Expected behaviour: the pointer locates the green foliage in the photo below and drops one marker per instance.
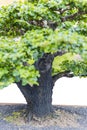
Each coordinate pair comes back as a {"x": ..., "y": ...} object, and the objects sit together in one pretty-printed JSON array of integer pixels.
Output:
[
  {"x": 58, "y": 64},
  {"x": 19, "y": 17},
  {"x": 12, "y": 57},
  {"x": 31, "y": 28}
]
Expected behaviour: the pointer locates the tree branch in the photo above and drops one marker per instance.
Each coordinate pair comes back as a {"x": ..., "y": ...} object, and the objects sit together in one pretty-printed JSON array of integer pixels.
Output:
[
  {"x": 61, "y": 11},
  {"x": 44, "y": 23},
  {"x": 59, "y": 53},
  {"x": 72, "y": 16},
  {"x": 62, "y": 74}
]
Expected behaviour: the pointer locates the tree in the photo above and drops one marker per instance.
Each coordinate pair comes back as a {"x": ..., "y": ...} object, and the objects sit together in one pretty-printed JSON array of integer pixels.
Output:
[{"x": 40, "y": 42}]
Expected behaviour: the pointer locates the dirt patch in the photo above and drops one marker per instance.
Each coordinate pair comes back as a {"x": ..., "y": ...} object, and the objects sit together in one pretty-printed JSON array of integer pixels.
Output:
[
  {"x": 64, "y": 117},
  {"x": 59, "y": 117}
]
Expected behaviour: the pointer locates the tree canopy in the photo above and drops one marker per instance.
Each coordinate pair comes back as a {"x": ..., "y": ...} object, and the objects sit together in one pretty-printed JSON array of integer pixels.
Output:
[{"x": 33, "y": 28}]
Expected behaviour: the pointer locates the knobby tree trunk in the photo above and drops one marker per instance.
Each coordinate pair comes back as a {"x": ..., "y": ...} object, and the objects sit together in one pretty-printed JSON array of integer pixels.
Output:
[{"x": 39, "y": 98}]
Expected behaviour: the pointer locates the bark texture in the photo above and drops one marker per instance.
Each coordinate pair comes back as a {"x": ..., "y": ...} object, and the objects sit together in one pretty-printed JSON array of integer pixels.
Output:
[{"x": 39, "y": 98}]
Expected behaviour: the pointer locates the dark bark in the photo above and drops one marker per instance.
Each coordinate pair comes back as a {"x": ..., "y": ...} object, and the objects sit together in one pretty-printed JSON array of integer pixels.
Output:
[
  {"x": 27, "y": 93},
  {"x": 44, "y": 23},
  {"x": 39, "y": 98},
  {"x": 59, "y": 53},
  {"x": 62, "y": 74},
  {"x": 73, "y": 16}
]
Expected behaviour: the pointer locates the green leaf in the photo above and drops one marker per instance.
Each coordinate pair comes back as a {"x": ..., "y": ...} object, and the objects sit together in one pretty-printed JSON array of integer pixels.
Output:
[{"x": 30, "y": 29}]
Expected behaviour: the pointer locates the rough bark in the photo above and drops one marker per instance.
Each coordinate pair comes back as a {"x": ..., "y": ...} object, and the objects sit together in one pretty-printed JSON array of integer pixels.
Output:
[
  {"x": 62, "y": 74},
  {"x": 39, "y": 98}
]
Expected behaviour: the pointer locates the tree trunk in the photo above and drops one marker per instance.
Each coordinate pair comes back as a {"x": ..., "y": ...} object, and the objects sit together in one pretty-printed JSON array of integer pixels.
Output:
[
  {"x": 39, "y": 98},
  {"x": 43, "y": 96}
]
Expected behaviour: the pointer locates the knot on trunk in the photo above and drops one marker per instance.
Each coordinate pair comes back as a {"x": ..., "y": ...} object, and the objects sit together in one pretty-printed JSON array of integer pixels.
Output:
[{"x": 44, "y": 64}]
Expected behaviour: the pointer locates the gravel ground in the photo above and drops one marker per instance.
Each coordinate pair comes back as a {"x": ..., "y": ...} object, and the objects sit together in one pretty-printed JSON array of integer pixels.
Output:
[{"x": 65, "y": 118}]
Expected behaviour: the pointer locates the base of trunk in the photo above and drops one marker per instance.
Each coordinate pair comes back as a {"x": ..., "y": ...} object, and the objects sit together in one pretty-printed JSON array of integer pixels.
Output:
[
  {"x": 37, "y": 114},
  {"x": 39, "y": 100}
]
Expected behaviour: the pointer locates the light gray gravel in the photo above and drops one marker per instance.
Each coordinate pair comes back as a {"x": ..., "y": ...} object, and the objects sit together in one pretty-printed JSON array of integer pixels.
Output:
[{"x": 8, "y": 109}]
